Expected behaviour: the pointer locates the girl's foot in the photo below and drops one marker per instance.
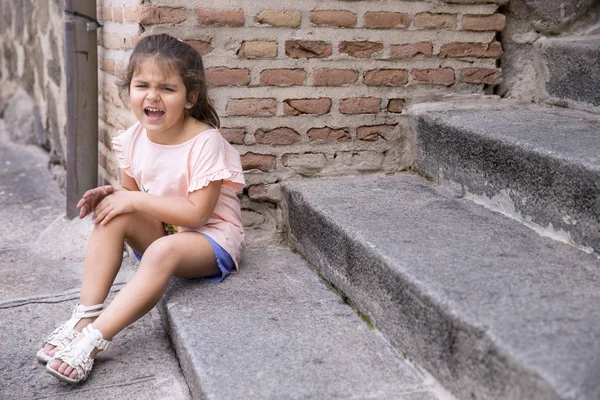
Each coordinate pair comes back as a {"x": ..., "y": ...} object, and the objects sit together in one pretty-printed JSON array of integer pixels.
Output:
[
  {"x": 73, "y": 363},
  {"x": 50, "y": 350},
  {"x": 82, "y": 316},
  {"x": 66, "y": 369}
]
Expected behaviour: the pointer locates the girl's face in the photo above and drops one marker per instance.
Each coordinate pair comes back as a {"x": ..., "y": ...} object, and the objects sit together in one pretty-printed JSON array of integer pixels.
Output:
[{"x": 158, "y": 97}]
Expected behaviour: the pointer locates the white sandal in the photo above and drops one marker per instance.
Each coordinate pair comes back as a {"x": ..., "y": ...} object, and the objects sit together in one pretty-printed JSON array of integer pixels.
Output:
[
  {"x": 65, "y": 333},
  {"x": 78, "y": 355}
]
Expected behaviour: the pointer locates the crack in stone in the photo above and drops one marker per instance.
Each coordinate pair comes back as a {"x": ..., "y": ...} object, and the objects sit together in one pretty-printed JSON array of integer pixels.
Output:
[
  {"x": 136, "y": 381},
  {"x": 49, "y": 299}
]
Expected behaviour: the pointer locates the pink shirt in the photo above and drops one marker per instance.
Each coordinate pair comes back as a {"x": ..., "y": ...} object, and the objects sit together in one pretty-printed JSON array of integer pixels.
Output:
[{"x": 176, "y": 170}]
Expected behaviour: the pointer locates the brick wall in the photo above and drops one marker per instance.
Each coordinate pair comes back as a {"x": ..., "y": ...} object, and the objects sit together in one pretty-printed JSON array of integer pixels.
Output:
[{"x": 314, "y": 89}]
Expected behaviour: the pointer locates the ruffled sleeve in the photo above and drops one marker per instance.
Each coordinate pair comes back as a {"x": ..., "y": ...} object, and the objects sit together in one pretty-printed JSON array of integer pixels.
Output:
[
  {"x": 212, "y": 160},
  {"x": 120, "y": 145}
]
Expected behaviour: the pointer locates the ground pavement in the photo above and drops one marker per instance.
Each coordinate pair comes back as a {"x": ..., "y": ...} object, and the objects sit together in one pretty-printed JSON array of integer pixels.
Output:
[{"x": 41, "y": 256}]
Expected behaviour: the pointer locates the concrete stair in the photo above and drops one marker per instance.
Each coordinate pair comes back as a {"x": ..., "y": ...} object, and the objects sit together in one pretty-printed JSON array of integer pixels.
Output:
[
  {"x": 540, "y": 165},
  {"x": 490, "y": 308},
  {"x": 571, "y": 64},
  {"x": 275, "y": 331}
]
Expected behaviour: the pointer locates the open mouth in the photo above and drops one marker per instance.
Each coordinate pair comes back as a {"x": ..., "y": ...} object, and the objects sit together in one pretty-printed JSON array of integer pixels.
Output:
[{"x": 153, "y": 113}]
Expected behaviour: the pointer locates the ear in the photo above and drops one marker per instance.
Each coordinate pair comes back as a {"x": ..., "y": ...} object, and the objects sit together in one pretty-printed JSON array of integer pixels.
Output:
[{"x": 191, "y": 100}]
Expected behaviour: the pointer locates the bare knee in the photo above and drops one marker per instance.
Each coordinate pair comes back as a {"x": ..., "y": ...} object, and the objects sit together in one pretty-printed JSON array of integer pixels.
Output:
[{"x": 161, "y": 256}]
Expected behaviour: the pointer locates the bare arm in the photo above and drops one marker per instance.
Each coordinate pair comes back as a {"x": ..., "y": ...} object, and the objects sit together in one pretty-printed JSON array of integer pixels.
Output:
[{"x": 195, "y": 210}]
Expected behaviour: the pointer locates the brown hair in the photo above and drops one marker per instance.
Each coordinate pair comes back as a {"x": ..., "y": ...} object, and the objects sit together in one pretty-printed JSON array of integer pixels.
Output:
[{"x": 185, "y": 60}]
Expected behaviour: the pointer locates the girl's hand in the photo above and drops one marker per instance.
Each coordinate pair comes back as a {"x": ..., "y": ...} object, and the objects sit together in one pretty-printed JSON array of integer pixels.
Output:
[
  {"x": 119, "y": 202},
  {"x": 92, "y": 198}
]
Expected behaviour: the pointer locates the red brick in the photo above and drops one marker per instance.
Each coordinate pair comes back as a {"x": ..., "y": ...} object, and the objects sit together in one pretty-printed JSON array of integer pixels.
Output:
[
  {"x": 108, "y": 65},
  {"x": 155, "y": 15},
  {"x": 437, "y": 76},
  {"x": 256, "y": 49},
  {"x": 327, "y": 134},
  {"x": 251, "y": 107},
  {"x": 200, "y": 46},
  {"x": 374, "y": 132},
  {"x": 495, "y": 22},
  {"x": 222, "y": 76},
  {"x": 282, "y": 77},
  {"x": 220, "y": 17},
  {"x": 233, "y": 135},
  {"x": 338, "y": 18},
  {"x": 262, "y": 192},
  {"x": 395, "y": 105},
  {"x": 277, "y": 136},
  {"x": 307, "y": 49},
  {"x": 360, "y": 105},
  {"x": 306, "y": 106},
  {"x": 106, "y": 14},
  {"x": 285, "y": 18},
  {"x": 411, "y": 50},
  {"x": 477, "y": 50},
  {"x": 435, "y": 21},
  {"x": 263, "y": 162},
  {"x": 360, "y": 49},
  {"x": 385, "y": 20},
  {"x": 480, "y": 75},
  {"x": 118, "y": 14},
  {"x": 334, "y": 77},
  {"x": 386, "y": 77}
]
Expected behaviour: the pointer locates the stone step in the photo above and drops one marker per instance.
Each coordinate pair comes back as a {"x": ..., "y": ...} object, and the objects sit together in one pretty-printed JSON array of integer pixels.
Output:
[
  {"x": 540, "y": 165},
  {"x": 486, "y": 305},
  {"x": 275, "y": 331},
  {"x": 571, "y": 65}
]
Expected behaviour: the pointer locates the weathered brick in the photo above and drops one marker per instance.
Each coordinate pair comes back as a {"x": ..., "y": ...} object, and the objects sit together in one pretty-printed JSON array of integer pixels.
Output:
[
  {"x": 280, "y": 135},
  {"x": 305, "y": 164},
  {"x": 436, "y": 76},
  {"x": 360, "y": 105},
  {"x": 374, "y": 132},
  {"x": 155, "y": 15},
  {"x": 386, "y": 77},
  {"x": 495, "y": 22},
  {"x": 108, "y": 65},
  {"x": 360, "y": 49},
  {"x": 477, "y": 50},
  {"x": 256, "y": 49},
  {"x": 282, "y": 77},
  {"x": 327, "y": 134},
  {"x": 395, "y": 105},
  {"x": 286, "y": 18},
  {"x": 480, "y": 75},
  {"x": 307, "y": 49},
  {"x": 385, "y": 20},
  {"x": 435, "y": 21},
  {"x": 251, "y": 107},
  {"x": 265, "y": 192},
  {"x": 319, "y": 106},
  {"x": 233, "y": 135},
  {"x": 411, "y": 50},
  {"x": 338, "y": 18},
  {"x": 117, "y": 14},
  {"x": 201, "y": 46},
  {"x": 220, "y": 17},
  {"x": 334, "y": 77},
  {"x": 263, "y": 162},
  {"x": 222, "y": 76},
  {"x": 106, "y": 14}
]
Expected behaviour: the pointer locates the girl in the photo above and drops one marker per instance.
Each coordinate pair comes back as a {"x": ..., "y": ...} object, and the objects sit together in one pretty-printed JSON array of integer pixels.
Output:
[{"x": 177, "y": 205}]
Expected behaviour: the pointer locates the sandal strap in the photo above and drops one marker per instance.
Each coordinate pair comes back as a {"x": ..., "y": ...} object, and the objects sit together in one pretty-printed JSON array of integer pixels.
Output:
[
  {"x": 78, "y": 355},
  {"x": 66, "y": 332}
]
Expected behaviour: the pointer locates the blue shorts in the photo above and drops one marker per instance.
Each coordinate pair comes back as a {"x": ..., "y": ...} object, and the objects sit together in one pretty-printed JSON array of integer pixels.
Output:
[{"x": 224, "y": 260}]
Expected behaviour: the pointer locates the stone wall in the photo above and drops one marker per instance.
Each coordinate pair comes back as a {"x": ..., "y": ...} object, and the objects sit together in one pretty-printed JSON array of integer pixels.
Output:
[
  {"x": 315, "y": 88},
  {"x": 537, "y": 33},
  {"x": 32, "y": 77}
]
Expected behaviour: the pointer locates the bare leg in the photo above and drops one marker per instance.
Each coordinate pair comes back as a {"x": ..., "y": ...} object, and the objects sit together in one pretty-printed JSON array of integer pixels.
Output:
[
  {"x": 186, "y": 254},
  {"x": 104, "y": 255}
]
